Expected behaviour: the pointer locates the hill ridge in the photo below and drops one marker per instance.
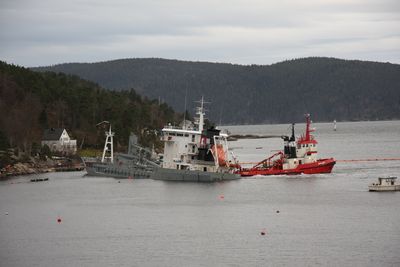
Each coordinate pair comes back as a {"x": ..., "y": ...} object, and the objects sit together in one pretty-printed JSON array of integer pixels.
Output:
[
  {"x": 329, "y": 88},
  {"x": 31, "y": 102}
]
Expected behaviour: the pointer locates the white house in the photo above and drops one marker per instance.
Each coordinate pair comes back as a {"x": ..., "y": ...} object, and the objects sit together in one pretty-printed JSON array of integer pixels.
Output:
[{"x": 58, "y": 140}]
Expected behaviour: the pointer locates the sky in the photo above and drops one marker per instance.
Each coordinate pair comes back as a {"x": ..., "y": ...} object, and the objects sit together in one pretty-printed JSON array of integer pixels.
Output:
[{"x": 48, "y": 32}]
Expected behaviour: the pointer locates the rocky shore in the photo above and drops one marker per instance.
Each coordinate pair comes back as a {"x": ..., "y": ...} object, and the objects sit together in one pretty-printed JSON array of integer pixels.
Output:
[{"x": 35, "y": 167}]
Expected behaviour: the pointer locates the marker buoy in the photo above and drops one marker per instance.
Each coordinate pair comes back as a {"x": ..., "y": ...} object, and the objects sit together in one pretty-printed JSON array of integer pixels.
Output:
[
  {"x": 6, "y": 213},
  {"x": 263, "y": 232},
  {"x": 277, "y": 211},
  {"x": 59, "y": 220},
  {"x": 119, "y": 181},
  {"x": 221, "y": 197}
]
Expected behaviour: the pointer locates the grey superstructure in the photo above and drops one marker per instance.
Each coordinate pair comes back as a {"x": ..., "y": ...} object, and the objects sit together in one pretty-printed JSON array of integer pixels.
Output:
[{"x": 137, "y": 164}]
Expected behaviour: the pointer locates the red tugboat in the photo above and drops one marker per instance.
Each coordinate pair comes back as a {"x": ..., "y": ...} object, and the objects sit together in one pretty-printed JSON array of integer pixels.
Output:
[{"x": 297, "y": 157}]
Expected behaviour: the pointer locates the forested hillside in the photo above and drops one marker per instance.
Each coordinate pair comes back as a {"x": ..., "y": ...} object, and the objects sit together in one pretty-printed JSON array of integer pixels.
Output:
[
  {"x": 31, "y": 102},
  {"x": 326, "y": 87}
]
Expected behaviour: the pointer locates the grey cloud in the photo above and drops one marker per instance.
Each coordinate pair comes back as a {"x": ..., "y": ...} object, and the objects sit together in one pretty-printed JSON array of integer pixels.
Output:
[{"x": 255, "y": 31}]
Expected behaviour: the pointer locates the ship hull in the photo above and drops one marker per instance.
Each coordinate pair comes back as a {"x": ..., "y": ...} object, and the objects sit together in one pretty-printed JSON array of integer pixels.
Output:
[
  {"x": 383, "y": 188},
  {"x": 320, "y": 166},
  {"x": 115, "y": 171},
  {"x": 191, "y": 176}
]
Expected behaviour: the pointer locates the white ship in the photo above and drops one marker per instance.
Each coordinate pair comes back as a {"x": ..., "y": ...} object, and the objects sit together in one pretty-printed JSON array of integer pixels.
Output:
[
  {"x": 385, "y": 184},
  {"x": 192, "y": 153}
]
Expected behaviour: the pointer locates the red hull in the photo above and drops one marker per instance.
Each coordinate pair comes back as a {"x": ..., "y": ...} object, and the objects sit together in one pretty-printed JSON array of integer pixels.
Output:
[{"x": 321, "y": 166}]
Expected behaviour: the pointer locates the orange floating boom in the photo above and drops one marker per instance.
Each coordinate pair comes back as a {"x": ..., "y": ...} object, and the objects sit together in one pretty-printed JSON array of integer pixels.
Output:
[{"x": 360, "y": 160}]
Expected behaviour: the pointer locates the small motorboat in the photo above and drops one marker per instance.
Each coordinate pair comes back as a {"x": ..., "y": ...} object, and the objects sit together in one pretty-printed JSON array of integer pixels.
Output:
[
  {"x": 385, "y": 184},
  {"x": 39, "y": 179}
]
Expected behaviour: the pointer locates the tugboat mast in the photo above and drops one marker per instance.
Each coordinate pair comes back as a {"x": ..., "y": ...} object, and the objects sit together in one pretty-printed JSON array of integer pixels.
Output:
[{"x": 308, "y": 130}]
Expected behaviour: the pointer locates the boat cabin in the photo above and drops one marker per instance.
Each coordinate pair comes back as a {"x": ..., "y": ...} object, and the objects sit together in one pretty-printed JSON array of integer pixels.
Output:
[
  {"x": 385, "y": 181},
  {"x": 302, "y": 151}
]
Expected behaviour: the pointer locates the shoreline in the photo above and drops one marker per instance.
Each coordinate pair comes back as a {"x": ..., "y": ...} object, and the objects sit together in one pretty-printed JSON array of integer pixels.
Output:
[{"x": 19, "y": 169}]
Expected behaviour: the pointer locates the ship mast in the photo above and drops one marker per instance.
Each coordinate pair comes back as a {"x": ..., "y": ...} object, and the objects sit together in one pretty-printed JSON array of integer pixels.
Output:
[
  {"x": 108, "y": 145},
  {"x": 200, "y": 112},
  {"x": 308, "y": 136}
]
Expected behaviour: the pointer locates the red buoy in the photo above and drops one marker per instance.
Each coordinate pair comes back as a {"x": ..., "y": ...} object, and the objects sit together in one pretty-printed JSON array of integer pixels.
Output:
[
  {"x": 263, "y": 232},
  {"x": 59, "y": 220},
  {"x": 221, "y": 197}
]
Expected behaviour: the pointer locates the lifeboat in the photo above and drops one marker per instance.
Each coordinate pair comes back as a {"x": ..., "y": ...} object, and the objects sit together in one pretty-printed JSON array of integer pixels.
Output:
[
  {"x": 297, "y": 157},
  {"x": 219, "y": 153}
]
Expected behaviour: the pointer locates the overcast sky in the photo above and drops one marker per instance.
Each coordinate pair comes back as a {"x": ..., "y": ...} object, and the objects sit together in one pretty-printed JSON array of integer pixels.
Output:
[{"x": 44, "y": 32}]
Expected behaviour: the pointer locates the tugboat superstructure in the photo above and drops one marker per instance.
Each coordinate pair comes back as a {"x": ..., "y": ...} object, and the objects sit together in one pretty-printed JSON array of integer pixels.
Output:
[{"x": 297, "y": 157}]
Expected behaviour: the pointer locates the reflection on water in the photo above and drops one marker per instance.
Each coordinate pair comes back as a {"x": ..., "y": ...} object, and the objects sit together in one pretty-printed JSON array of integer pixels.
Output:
[{"x": 328, "y": 219}]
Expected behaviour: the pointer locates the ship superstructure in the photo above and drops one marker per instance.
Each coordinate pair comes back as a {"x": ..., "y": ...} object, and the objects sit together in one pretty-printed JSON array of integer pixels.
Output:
[
  {"x": 136, "y": 164},
  {"x": 192, "y": 153}
]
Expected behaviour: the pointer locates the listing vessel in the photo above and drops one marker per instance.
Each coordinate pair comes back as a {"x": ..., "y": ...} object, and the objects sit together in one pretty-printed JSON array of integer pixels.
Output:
[
  {"x": 385, "y": 184},
  {"x": 297, "y": 157},
  {"x": 136, "y": 164},
  {"x": 195, "y": 154}
]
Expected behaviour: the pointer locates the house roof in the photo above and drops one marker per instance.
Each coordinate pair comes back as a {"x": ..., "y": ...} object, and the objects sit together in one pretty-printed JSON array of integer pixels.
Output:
[{"x": 52, "y": 134}]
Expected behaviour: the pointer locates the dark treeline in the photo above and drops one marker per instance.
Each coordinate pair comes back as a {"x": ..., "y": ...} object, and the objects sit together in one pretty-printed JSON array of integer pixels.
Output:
[
  {"x": 327, "y": 88},
  {"x": 31, "y": 102}
]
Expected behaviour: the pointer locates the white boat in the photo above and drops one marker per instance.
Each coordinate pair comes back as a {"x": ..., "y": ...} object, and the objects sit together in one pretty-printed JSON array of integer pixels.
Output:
[
  {"x": 195, "y": 154},
  {"x": 385, "y": 184}
]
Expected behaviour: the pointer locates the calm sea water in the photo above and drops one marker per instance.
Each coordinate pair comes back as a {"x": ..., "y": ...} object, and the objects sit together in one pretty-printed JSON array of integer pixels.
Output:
[{"x": 323, "y": 220}]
